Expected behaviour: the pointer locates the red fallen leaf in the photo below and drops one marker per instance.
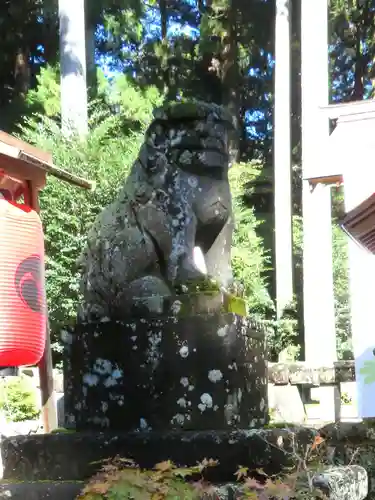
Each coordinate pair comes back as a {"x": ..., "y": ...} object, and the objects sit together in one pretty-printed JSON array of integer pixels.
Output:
[{"x": 318, "y": 440}]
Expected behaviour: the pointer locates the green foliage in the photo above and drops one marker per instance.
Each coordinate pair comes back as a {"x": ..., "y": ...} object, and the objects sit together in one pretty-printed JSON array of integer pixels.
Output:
[
  {"x": 249, "y": 259},
  {"x": 341, "y": 291},
  {"x": 18, "y": 399},
  {"x": 67, "y": 213},
  {"x": 46, "y": 96}
]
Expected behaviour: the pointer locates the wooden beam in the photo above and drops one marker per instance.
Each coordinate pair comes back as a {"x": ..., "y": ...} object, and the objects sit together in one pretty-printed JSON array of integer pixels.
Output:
[
  {"x": 49, "y": 412},
  {"x": 56, "y": 172},
  {"x": 21, "y": 171},
  {"x": 33, "y": 163},
  {"x": 24, "y": 146},
  {"x": 329, "y": 180},
  {"x": 334, "y": 111}
]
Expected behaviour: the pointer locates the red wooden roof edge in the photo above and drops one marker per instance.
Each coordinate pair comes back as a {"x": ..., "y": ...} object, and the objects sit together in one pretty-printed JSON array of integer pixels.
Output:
[
  {"x": 19, "y": 150},
  {"x": 359, "y": 223}
]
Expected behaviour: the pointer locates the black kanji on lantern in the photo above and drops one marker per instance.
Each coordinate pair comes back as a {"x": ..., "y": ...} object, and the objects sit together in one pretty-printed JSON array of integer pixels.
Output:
[{"x": 28, "y": 282}]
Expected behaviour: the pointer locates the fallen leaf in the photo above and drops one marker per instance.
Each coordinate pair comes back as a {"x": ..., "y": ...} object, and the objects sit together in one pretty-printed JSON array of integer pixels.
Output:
[
  {"x": 165, "y": 466},
  {"x": 241, "y": 472},
  {"x": 318, "y": 440}
]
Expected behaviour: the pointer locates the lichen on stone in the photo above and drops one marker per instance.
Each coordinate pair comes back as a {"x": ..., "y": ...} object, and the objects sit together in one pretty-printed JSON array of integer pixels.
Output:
[{"x": 140, "y": 250}]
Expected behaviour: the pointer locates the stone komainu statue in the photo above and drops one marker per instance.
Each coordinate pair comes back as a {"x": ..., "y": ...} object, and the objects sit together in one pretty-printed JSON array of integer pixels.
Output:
[{"x": 175, "y": 198}]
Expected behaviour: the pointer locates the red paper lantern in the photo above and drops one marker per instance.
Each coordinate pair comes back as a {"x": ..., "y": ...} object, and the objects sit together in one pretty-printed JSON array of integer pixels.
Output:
[{"x": 22, "y": 288}]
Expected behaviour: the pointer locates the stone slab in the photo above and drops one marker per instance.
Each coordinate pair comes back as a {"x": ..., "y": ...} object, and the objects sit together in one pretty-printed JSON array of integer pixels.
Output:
[
  {"x": 39, "y": 491},
  {"x": 302, "y": 373},
  {"x": 285, "y": 404},
  {"x": 343, "y": 483},
  {"x": 75, "y": 455},
  {"x": 201, "y": 372}
]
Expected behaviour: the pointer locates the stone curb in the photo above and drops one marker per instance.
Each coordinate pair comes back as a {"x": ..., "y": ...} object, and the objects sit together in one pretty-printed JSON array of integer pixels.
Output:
[{"x": 39, "y": 491}]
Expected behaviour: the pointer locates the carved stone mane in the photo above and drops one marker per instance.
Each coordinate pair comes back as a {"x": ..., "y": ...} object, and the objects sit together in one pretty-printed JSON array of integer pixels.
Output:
[{"x": 175, "y": 198}]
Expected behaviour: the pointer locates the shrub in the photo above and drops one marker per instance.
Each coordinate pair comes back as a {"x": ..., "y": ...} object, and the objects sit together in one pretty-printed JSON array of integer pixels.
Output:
[{"x": 18, "y": 399}]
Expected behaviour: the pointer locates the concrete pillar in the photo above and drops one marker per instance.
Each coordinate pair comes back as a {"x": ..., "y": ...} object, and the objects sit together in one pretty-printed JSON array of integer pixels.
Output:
[{"x": 319, "y": 319}]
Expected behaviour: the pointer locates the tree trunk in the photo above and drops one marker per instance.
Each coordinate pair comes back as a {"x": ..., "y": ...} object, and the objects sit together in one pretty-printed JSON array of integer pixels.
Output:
[
  {"x": 229, "y": 72},
  {"x": 73, "y": 66},
  {"x": 282, "y": 159},
  {"x": 22, "y": 72},
  {"x": 91, "y": 79}
]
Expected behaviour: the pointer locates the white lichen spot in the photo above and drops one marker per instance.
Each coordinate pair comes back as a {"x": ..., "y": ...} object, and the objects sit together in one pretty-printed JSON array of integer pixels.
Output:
[
  {"x": 280, "y": 442},
  {"x": 90, "y": 379},
  {"x": 191, "y": 388},
  {"x": 117, "y": 373},
  {"x": 216, "y": 407},
  {"x": 143, "y": 424},
  {"x": 201, "y": 407},
  {"x": 103, "y": 366},
  {"x": 192, "y": 181},
  {"x": 222, "y": 331},
  {"x": 182, "y": 402},
  {"x": 110, "y": 382},
  {"x": 153, "y": 352},
  {"x": 206, "y": 399},
  {"x": 176, "y": 307},
  {"x": 262, "y": 404},
  {"x": 134, "y": 338},
  {"x": 104, "y": 406},
  {"x": 215, "y": 376},
  {"x": 184, "y": 381},
  {"x": 184, "y": 351},
  {"x": 105, "y": 320},
  {"x": 178, "y": 419}
]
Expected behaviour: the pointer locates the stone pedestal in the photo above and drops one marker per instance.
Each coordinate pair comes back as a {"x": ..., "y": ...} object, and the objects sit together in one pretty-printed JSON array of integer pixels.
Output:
[{"x": 206, "y": 371}]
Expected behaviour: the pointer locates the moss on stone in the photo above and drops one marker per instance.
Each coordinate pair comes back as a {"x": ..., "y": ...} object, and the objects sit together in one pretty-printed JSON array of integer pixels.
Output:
[
  {"x": 62, "y": 430},
  {"x": 235, "y": 305}
]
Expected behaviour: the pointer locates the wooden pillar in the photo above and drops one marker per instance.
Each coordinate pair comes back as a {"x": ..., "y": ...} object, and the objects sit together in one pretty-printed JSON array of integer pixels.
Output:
[
  {"x": 282, "y": 159},
  {"x": 49, "y": 411}
]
